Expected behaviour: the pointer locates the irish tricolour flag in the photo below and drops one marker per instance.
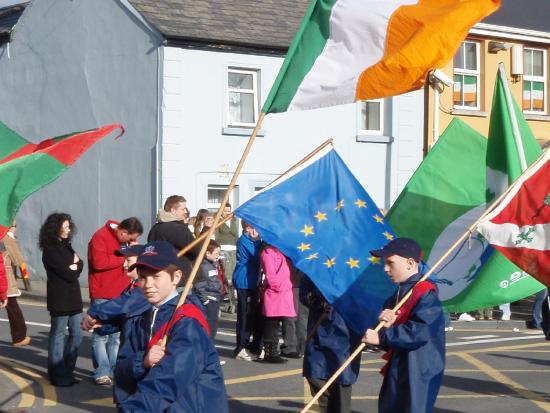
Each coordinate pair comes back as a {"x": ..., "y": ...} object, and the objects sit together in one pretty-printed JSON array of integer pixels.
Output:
[
  {"x": 520, "y": 226},
  {"x": 348, "y": 50}
]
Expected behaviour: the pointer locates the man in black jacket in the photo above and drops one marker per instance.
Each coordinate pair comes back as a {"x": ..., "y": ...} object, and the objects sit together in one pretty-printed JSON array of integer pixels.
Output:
[{"x": 170, "y": 227}]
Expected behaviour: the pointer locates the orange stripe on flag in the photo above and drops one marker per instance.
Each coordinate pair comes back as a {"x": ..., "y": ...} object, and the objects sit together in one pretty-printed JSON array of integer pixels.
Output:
[{"x": 420, "y": 38}]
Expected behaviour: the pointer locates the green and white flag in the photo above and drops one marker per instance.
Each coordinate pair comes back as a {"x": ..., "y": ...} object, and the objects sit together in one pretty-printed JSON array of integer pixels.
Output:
[{"x": 448, "y": 192}]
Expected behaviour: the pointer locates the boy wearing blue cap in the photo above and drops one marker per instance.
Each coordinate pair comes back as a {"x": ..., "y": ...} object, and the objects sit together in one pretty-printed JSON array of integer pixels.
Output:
[
  {"x": 414, "y": 336},
  {"x": 183, "y": 376}
]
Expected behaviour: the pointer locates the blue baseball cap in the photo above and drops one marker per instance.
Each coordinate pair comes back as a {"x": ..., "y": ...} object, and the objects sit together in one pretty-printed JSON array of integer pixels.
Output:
[
  {"x": 404, "y": 247},
  {"x": 130, "y": 250},
  {"x": 156, "y": 255}
]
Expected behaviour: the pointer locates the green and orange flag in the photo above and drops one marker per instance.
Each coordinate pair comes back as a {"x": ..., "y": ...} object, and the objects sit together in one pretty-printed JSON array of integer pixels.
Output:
[{"x": 26, "y": 167}]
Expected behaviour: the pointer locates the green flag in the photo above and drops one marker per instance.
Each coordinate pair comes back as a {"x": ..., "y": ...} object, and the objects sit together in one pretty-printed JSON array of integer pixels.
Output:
[
  {"x": 448, "y": 192},
  {"x": 27, "y": 167}
]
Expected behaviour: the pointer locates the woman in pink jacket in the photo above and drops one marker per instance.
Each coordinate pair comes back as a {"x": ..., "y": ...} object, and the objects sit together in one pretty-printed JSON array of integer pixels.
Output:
[{"x": 278, "y": 302}]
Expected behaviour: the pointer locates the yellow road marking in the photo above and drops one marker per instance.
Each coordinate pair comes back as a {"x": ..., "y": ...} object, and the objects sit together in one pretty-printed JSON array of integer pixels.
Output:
[
  {"x": 476, "y": 370},
  {"x": 499, "y": 349},
  {"x": 50, "y": 396},
  {"x": 446, "y": 396},
  {"x": 511, "y": 384},
  {"x": 27, "y": 393},
  {"x": 105, "y": 402},
  {"x": 267, "y": 376}
]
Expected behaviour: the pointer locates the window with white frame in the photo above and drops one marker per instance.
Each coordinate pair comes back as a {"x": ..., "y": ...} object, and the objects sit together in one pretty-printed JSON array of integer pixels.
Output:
[
  {"x": 215, "y": 194},
  {"x": 466, "y": 76},
  {"x": 534, "y": 81},
  {"x": 242, "y": 97},
  {"x": 371, "y": 118}
]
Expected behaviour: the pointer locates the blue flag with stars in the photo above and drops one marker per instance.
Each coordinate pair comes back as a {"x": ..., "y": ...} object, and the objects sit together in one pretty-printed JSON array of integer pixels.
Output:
[{"x": 321, "y": 218}]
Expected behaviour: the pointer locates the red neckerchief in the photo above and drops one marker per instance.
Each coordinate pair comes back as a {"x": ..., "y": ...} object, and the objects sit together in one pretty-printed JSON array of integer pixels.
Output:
[
  {"x": 186, "y": 310},
  {"x": 418, "y": 291}
]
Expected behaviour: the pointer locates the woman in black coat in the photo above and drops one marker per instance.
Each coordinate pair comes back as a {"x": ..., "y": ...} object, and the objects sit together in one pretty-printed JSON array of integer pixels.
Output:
[{"x": 63, "y": 267}]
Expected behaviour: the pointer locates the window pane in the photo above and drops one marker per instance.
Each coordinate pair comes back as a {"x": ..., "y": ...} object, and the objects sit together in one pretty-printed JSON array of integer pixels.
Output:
[
  {"x": 470, "y": 91},
  {"x": 215, "y": 195},
  {"x": 537, "y": 63},
  {"x": 459, "y": 57},
  {"x": 457, "y": 90},
  {"x": 527, "y": 62},
  {"x": 240, "y": 80},
  {"x": 526, "y": 96},
  {"x": 370, "y": 114},
  {"x": 471, "y": 56},
  {"x": 538, "y": 96},
  {"x": 241, "y": 107}
]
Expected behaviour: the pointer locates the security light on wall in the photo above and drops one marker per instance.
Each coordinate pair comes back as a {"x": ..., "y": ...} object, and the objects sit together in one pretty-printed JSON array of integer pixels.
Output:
[
  {"x": 495, "y": 47},
  {"x": 517, "y": 60}
]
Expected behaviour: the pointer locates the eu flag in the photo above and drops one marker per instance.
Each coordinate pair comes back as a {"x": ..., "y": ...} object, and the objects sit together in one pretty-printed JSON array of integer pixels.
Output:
[{"x": 321, "y": 218}]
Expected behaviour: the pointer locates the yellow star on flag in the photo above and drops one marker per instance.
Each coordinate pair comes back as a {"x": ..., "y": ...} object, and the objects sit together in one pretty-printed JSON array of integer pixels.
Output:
[
  {"x": 308, "y": 230},
  {"x": 302, "y": 247},
  {"x": 352, "y": 263},
  {"x": 360, "y": 203},
  {"x": 387, "y": 235},
  {"x": 339, "y": 205},
  {"x": 378, "y": 218},
  {"x": 321, "y": 216},
  {"x": 375, "y": 260},
  {"x": 313, "y": 256},
  {"x": 330, "y": 262}
]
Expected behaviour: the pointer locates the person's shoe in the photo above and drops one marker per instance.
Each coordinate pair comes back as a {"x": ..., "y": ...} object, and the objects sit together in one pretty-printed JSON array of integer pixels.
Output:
[
  {"x": 103, "y": 381},
  {"x": 222, "y": 362},
  {"x": 505, "y": 317},
  {"x": 243, "y": 355},
  {"x": 489, "y": 318},
  {"x": 466, "y": 317},
  {"x": 291, "y": 355},
  {"x": 275, "y": 359},
  {"x": 450, "y": 328},
  {"x": 25, "y": 342}
]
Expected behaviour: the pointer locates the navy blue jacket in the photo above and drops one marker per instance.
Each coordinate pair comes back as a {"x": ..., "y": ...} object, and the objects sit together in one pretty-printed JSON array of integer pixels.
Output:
[
  {"x": 416, "y": 368},
  {"x": 332, "y": 343},
  {"x": 113, "y": 313},
  {"x": 187, "y": 379},
  {"x": 247, "y": 268},
  {"x": 208, "y": 285}
]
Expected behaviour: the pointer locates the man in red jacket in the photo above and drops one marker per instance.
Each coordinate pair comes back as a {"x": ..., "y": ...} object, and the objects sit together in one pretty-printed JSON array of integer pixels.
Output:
[{"x": 107, "y": 279}]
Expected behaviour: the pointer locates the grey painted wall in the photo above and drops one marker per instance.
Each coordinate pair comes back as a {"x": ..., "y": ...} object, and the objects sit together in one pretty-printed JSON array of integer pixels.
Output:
[{"x": 75, "y": 65}]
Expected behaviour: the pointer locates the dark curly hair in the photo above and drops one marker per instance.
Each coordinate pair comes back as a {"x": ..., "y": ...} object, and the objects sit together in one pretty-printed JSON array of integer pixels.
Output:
[{"x": 49, "y": 232}]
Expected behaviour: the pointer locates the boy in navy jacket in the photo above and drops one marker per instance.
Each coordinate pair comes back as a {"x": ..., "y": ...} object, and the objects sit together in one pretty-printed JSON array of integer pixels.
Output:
[
  {"x": 183, "y": 376},
  {"x": 414, "y": 337}
]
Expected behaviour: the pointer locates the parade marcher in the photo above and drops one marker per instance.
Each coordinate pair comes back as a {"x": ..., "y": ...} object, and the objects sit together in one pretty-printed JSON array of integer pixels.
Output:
[
  {"x": 107, "y": 279},
  {"x": 414, "y": 338},
  {"x": 277, "y": 300},
  {"x": 208, "y": 287},
  {"x": 184, "y": 376},
  {"x": 545, "y": 324},
  {"x": 330, "y": 346},
  {"x": 64, "y": 300},
  {"x": 9, "y": 250},
  {"x": 245, "y": 282},
  {"x": 170, "y": 227}
]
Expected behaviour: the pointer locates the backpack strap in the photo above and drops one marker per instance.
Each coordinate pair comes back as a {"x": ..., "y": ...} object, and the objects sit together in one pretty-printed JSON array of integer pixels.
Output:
[
  {"x": 186, "y": 310},
  {"x": 418, "y": 291}
]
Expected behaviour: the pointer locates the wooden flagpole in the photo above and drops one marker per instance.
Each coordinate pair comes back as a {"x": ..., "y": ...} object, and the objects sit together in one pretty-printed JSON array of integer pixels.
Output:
[
  {"x": 211, "y": 230},
  {"x": 467, "y": 233}
]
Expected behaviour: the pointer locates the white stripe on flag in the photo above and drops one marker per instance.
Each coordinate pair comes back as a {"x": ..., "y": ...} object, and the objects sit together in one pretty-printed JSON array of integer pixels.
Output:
[
  {"x": 357, "y": 41},
  {"x": 508, "y": 235}
]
